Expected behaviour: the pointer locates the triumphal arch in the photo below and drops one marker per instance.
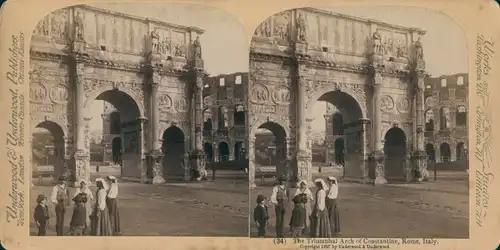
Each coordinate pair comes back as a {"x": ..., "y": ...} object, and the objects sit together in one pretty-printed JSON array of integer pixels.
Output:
[
  {"x": 150, "y": 71},
  {"x": 373, "y": 72}
]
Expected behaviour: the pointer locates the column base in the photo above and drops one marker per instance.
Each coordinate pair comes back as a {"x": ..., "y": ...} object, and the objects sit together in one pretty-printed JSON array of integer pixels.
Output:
[
  {"x": 253, "y": 185},
  {"x": 197, "y": 161},
  {"x": 156, "y": 162},
  {"x": 304, "y": 165},
  {"x": 419, "y": 166},
  {"x": 82, "y": 168},
  {"x": 378, "y": 158}
]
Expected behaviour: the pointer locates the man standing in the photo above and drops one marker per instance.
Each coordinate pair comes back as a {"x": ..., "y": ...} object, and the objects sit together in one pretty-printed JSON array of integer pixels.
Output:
[
  {"x": 280, "y": 198},
  {"x": 60, "y": 197}
]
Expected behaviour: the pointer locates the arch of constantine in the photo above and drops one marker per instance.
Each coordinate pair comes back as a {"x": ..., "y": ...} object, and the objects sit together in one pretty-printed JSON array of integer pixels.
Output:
[
  {"x": 372, "y": 72},
  {"x": 150, "y": 71}
]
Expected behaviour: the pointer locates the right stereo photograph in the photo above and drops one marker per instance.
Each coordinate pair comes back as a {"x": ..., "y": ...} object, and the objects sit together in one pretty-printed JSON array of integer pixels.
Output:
[{"x": 357, "y": 119}]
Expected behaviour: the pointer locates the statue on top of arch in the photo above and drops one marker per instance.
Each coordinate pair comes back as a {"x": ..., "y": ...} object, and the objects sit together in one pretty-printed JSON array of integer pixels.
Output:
[
  {"x": 155, "y": 37},
  {"x": 197, "y": 48},
  {"x": 301, "y": 27},
  {"x": 79, "y": 26}
]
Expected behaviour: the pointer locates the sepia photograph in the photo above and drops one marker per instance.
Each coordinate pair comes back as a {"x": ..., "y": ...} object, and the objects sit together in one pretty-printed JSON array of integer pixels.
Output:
[
  {"x": 358, "y": 125},
  {"x": 138, "y": 122}
]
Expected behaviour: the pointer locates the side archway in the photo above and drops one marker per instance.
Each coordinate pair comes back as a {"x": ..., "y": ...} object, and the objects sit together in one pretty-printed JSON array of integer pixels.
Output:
[
  {"x": 395, "y": 153},
  {"x": 269, "y": 149},
  {"x": 173, "y": 145},
  {"x": 48, "y": 146}
]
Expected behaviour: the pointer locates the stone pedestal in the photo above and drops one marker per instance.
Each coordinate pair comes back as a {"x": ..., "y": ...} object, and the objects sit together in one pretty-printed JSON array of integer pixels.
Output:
[
  {"x": 419, "y": 162},
  {"x": 156, "y": 163},
  {"x": 304, "y": 164},
  {"x": 378, "y": 158},
  {"x": 82, "y": 167},
  {"x": 197, "y": 160}
]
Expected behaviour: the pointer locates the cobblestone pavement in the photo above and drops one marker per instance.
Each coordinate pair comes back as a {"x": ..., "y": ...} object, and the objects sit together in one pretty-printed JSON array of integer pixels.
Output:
[
  {"x": 208, "y": 208},
  {"x": 431, "y": 209}
]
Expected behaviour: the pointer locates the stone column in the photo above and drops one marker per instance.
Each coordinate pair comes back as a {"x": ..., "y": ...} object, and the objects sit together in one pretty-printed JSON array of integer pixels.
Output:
[
  {"x": 155, "y": 155},
  {"x": 198, "y": 160},
  {"x": 251, "y": 162},
  {"x": 378, "y": 152},
  {"x": 82, "y": 152},
  {"x": 303, "y": 156},
  {"x": 419, "y": 155}
]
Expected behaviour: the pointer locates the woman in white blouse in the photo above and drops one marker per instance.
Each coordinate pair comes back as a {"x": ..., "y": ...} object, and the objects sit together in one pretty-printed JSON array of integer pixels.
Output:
[
  {"x": 320, "y": 224},
  {"x": 101, "y": 226},
  {"x": 85, "y": 191},
  {"x": 114, "y": 214},
  {"x": 305, "y": 191},
  {"x": 332, "y": 205}
]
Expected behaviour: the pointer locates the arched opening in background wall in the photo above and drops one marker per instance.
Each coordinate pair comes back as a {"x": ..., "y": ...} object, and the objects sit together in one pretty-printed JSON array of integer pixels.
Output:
[
  {"x": 429, "y": 120},
  {"x": 339, "y": 151},
  {"x": 239, "y": 115},
  {"x": 338, "y": 124},
  {"x": 445, "y": 151},
  {"x": 461, "y": 116},
  {"x": 238, "y": 151},
  {"x": 209, "y": 152},
  {"x": 461, "y": 154},
  {"x": 223, "y": 152},
  {"x": 431, "y": 152},
  {"x": 223, "y": 118}
]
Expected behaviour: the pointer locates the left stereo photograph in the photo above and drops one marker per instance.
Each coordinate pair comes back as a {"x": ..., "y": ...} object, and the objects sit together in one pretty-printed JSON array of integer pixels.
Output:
[{"x": 138, "y": 122}]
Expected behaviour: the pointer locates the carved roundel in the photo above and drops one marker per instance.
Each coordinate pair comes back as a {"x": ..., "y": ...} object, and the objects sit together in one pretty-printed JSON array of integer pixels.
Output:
[
  {"x": 165, "y": 101},
  {"x": 404, "y": 105},
  {"x": 59, "y": 94},
  {"x": 38, "y": 93},
  {"x": 386, "y": 103},
  {"x": 282, "y": 95},
  {"x": 181, "y": 104},
  {"x": 430, "y": 101},
  {"x": 259, "y": 94}
]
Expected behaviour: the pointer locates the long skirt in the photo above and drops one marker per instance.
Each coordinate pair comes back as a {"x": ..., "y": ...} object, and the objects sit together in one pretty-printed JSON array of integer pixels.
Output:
[
  {"x": 101, "y": 226},
  {"x": 320, "y": 224},
  {"x": 333, "y": 215},
  {"x": 114, "y": 215},
  {"x": 88, "y": 213}
]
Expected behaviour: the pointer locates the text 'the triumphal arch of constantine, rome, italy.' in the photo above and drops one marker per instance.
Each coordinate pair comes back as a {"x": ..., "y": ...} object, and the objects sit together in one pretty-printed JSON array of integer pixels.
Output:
[
  {"x": 373, "y": 72},
  {"x": 150, "y": 71}
]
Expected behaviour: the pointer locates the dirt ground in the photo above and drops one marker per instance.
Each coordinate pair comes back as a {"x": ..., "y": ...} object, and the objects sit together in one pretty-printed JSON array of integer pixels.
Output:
[
  {"x": 432, "y": 209},
  {"x": 208, "y": 208}
]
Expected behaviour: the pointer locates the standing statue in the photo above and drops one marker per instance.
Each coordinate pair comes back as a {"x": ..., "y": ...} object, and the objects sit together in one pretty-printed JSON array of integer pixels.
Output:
[
  {"x": 377, "y": 42},
  {"x": 79, "y": 26},
  {"x": 267, "y": 29},
  {"x": 155, "y": 37},
  {"x": 301, "y": 28},
  {"x": 419, "y": 50},
  {"x": 197, "y": 48}
]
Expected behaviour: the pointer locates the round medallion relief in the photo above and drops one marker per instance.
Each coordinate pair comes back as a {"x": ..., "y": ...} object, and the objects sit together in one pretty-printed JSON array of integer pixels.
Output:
[
  {"x": 259, "y": 94},
  {"x": 282, "y": 95},
  {"x": 403, "y": 105},
  {"x": 165, "y": 101},
  {"x": 181, "y": 104},
  {"x": 59, "y": 94},
  {"x": 38, "y": 93},
  {"x": 386, "y": 103}
]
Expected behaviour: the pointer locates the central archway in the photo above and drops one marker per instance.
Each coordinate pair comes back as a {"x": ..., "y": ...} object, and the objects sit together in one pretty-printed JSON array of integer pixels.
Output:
[
  {"x": 270, "y": 146},
  {"x": 124, "y": 121},
  {"x": 49, "y": 147},
  {"x": 395, "y": 152},
  {"x": 348, "y": 126},
  {"x": 173, "y": 147}
]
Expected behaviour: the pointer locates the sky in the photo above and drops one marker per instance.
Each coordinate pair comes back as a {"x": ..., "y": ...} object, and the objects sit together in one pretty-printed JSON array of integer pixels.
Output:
[{"x": 225, "y": 44}]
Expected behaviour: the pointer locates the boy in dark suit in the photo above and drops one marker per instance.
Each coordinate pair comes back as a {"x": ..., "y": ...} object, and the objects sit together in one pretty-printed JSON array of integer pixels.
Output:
[
  {"x": 261, "y": 216},
  {"x": 78, "y": 220},
  {"x": 41, "y": 215},
  {"x": 298, "y": 216}
]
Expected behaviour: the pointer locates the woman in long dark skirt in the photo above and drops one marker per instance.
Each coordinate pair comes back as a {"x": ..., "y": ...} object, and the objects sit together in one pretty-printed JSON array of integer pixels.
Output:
[
  {"x": 320, "y": 224},
  {"x": 114, "y": 214},
  {"x": 100, "y": 225},
  {"x": 332, "y": 205}
]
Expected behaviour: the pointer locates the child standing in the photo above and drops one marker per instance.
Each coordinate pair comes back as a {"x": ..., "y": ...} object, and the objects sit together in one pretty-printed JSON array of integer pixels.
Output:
[
  {"x": 79, "y": 220},
  {"x": 41, "y": 215},
  {"x": 298, "y": 219},
  {"x": 261, "y": 216}
]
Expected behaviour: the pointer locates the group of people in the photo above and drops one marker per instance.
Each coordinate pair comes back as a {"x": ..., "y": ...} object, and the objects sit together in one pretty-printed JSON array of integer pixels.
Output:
[
  {"x": 314, "y": 214},
  {"x": 97, "y": 217}
]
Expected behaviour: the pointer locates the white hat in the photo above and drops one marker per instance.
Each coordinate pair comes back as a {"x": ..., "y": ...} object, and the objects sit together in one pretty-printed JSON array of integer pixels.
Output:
[
  {"x": 302, "y": 181},
  {"x": 323, "y": 184},
  {"x": 331, "y": 178},
  {"x": 111, "y": 177}
]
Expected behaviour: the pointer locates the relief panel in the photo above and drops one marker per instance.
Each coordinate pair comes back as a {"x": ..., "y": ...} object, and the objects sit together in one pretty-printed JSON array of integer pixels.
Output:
[
  {"x": 178, "y": 44},
  {"x": 281, "y": 25},
  {"x": 90, "y": 27},
  {"x": 59, "y": 25},
  {"x": 312, "y": 24}
]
